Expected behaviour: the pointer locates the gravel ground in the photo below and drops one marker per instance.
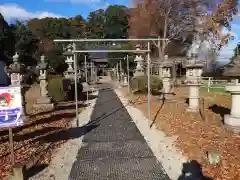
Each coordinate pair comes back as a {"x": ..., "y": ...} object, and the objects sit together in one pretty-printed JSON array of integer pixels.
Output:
[
  {"x": 63, "y": 159},
  {"x": 161, "y": 145}
]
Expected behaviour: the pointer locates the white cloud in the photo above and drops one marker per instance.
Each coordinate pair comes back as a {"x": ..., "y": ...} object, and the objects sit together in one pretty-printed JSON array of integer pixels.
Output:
[
  {"x": 75, "y": 1},
  {"x": 94, "y": 4},
  {"x": 14, "y": 11}
]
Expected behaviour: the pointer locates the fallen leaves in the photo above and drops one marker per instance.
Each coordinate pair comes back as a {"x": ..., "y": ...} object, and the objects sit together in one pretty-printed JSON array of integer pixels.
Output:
[
  {"x": 30, "y": 139},
  {"x": 197, "y": 136}
]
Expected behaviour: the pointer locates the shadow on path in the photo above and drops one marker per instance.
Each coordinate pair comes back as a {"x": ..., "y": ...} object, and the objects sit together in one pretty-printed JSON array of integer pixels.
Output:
[
  {"x": 71, "y": 133},
  {"x": 219, "y": 110},
  {"x": 35, "y": 170},
  {"x": 105, "y": 115},
  {"x": 192, "y": 171}
]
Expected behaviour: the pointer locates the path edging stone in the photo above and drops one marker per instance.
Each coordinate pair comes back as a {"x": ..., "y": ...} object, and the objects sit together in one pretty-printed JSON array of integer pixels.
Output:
[
  {"x": 161, "y": 144},
  {"x": 64, "y": 157}
]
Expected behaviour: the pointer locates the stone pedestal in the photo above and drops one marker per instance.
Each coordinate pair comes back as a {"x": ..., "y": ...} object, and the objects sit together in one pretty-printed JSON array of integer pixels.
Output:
[
  {"x": 167, "y": 82},
  {"x": 193, "y": 75},
  {"x": 125, "y": 81},
  {"x": 232, "y": 121},
  {"x": 193, "y": 104},
  {"x": 167, "y": 85}
]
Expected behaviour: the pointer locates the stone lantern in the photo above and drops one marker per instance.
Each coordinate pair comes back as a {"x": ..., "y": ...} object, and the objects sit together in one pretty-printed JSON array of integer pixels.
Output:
[
  {"x": 42, "y": 68},
  {"x": 194, "y": 70},
  {"x": 232, "y": 121},
  {"x": 16, "y": 72},
  {"x": 69, "y": 73},
  {"x": 166, "y": 74},
  {"x": 139, "y": 71},
  {"x": 193, "y": 74}
]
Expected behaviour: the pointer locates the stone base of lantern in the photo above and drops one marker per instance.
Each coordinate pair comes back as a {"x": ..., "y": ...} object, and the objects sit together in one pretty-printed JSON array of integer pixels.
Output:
[
  {"x": 136, "y": 74},
  {"x": 69, "y": 74},
  {"x": 44, "y": 100},
  {"x": 193, "y": 104},
  {"x": 232, "y": 123},
  {"x": 43, "y": 105},
  {"x": 125, "y": 81},
  {"x": 167, "y": 96},
  {"x": 167, "y": 89}
]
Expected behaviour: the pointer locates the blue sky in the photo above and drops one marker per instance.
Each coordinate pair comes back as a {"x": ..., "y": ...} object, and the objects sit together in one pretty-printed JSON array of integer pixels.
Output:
[
  {"x": 26, "y": 9},
  {"x": 227, "y": 51},
  {"x": 23, "y": 9}
]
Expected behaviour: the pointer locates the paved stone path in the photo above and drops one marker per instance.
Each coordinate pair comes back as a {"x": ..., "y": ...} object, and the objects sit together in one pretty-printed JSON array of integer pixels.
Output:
[{"x": 114, "y": 149}]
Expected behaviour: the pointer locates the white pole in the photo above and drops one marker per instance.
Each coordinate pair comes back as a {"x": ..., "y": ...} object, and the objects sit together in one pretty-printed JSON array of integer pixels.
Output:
[
  {"x": 128, "y": 74},
  {"x": 76, "y": 88},
  {"x": 149, "y": 87},
  {"x": 117, "y": 73},
  {"x": 209, "y": 83},
  {"x": 91, "y": 71},
  {"x": 86, "y": 76},
  {"x": 120, "y": 70}
]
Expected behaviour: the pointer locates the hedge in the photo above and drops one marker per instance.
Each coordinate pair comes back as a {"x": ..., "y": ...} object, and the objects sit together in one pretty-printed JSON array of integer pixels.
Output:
[{"x": 139, "y": 84}]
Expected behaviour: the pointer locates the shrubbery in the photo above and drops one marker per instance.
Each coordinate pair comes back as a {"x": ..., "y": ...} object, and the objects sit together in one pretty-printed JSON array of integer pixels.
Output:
[
  {"x": 139, "y": 84},
  {"x": 62, "y": 89}
]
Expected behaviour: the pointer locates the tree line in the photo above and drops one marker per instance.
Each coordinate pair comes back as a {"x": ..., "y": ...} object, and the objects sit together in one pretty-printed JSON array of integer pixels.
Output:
[
  {"x": 172, "y": 19},
  {"x": 34, "y": 37}
]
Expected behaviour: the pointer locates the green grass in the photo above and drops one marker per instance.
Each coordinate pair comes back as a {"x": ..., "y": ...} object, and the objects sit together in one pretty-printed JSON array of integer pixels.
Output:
[{"x": 214, "y": 89}]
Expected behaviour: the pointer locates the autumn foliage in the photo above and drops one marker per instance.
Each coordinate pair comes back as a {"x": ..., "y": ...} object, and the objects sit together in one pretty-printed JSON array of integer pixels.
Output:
[{"x": 174, "y": 19}]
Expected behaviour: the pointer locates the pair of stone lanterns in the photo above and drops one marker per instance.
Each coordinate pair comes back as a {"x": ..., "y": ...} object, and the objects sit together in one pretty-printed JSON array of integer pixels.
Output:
[
  {"x": 17, "y": 71},
  {"x": 232, "y": 120},
  {"x": 193, "y": 77}
]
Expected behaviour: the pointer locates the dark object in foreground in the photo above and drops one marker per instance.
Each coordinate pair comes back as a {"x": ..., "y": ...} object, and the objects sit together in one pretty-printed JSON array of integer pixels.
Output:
[{"x": 192, "y": 171}]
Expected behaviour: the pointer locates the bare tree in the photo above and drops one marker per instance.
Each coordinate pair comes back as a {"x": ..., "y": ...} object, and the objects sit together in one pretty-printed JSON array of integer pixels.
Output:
[
  {"x": 167, "y": 19},
  {"x": 175, "y": 19}
]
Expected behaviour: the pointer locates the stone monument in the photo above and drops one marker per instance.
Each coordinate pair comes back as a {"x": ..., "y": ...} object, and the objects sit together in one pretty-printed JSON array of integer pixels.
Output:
[
  {"x": 42, "y": 68},
  {"x": 139, "y": 71},
  {"x": 232, "y": 121}
]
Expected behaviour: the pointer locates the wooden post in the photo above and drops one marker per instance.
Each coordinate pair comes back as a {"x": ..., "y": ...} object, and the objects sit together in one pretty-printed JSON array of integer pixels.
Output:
[
  {"x": 203, "y": 110},
  {"x": 18, "y": 172},
  {"x": 175, "y": 111},
  {"x": 11, "y": 147}
]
